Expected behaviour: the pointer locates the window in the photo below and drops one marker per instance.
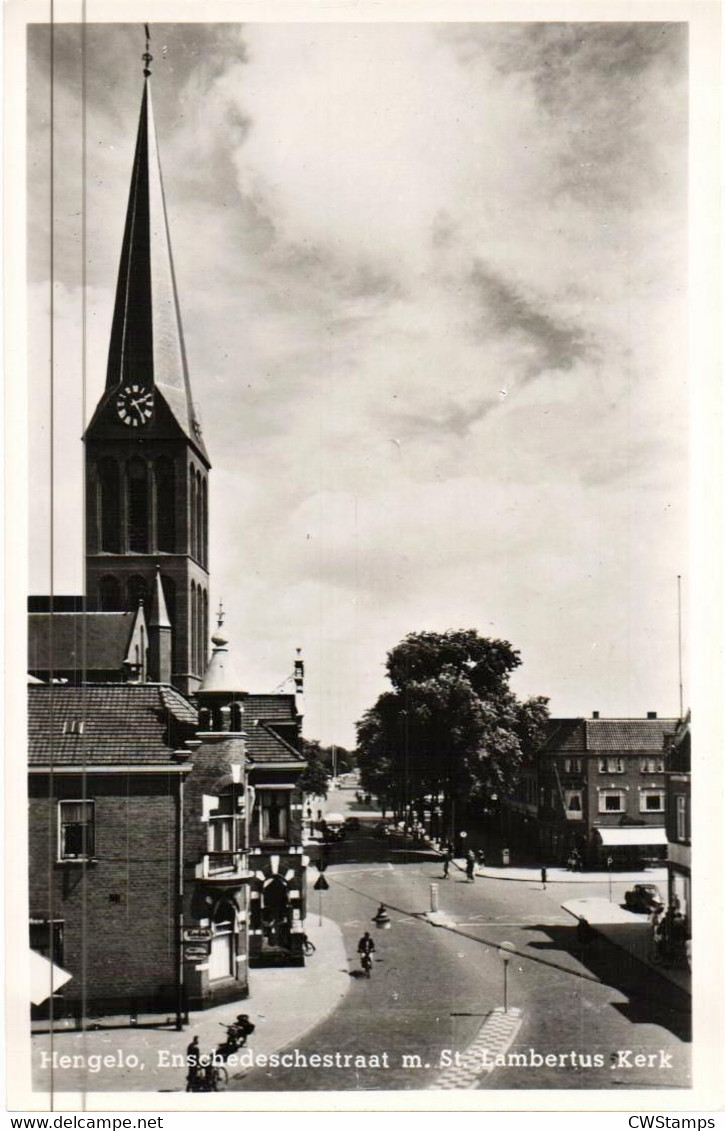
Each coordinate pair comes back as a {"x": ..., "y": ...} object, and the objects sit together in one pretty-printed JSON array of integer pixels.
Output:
[
  {"x": 225, "y": 832},
  {"x": 611, "y": 765},
  {"x": 652, "y": 765},
  {"x": 46, "y": 938},
  {"x": 611, "y": 801},
  {"x": 137, "y": 590},
  {"x": 681, "y": 811},
  {"x": 651, "y": 801},
  {"x": 76, "y": 830},
  {"x": 109, "y": 594},
  {"x": 572, "y": 765},
  {"x": 165, "y": 506},
  {"x": 138, "y": 507},
  {"x": 109, "y": 505},
  {"x": 192, "y": 511},
  {"x": 573, "y": 801},
  {"x": 273, "y": 814}
]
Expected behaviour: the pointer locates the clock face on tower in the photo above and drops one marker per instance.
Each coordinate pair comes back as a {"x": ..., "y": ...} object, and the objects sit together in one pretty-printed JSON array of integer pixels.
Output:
[{"x": 135, "y": 405}]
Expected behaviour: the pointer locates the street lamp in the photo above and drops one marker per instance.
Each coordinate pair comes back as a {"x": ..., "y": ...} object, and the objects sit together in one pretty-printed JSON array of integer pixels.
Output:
[{"x": 505, "y": 951}]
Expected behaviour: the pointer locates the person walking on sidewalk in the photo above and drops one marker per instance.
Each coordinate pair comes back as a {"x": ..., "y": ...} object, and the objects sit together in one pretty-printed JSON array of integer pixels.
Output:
[
  {"x": 470, "y": 866},
  {"x": 446, "y": 862}
]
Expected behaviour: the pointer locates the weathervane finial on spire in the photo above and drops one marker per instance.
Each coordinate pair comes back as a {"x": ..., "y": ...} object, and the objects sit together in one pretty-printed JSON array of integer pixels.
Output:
[
  {"x": 147, "y": 56},
  {"x": 220, "y": 615}
]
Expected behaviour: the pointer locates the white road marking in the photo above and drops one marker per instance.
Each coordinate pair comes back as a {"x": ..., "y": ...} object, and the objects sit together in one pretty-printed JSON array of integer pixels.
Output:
[{"x": 496, "y": 1035}]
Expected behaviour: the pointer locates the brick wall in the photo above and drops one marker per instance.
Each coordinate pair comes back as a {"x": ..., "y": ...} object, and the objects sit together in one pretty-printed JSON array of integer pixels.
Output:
[{"x": 119, "y": 912}]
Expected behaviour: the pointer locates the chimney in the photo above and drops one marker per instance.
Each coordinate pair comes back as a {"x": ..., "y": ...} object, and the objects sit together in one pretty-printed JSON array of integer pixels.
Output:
[
  {"x": 299, "y": 683},
  {"x": 595, "y": 714},
  {"x": 159, "y": 636},
  {"x": 651, "y": 714}
]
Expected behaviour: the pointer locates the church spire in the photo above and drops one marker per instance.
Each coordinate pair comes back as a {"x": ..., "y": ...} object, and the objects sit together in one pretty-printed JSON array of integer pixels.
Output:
[{"x": 147, "y": 343}]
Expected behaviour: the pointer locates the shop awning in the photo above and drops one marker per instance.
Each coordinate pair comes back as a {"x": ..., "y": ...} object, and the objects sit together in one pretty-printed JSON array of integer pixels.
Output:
[
  {"x": 45, "y": 978},
  {"x": 639, "y": 835}
]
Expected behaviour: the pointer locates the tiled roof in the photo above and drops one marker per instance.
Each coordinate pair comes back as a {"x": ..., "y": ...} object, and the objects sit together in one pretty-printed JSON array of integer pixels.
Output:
[
  {"x": 583, "y": 735},
  {"x": 106, "y": 641},
  {"x": 277, "y": 708},
  {"x": 264, "y": 744},
  {"x": 122, "y": 723}
]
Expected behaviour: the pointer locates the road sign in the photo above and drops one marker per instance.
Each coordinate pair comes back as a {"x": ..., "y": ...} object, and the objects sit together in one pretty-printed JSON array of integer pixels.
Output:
[
  {"x": 197, "y": 934},
  {"x": 321, "y": 883},
  {"x": 195, "y": 953}
]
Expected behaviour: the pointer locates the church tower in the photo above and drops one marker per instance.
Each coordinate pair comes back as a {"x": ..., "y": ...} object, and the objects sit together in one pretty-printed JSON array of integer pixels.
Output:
[{"x": 146, "y": 463}]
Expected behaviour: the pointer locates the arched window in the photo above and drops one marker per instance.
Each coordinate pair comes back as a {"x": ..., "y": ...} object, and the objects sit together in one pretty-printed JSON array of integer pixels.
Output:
[
  {"x": 199, "y": 519},
  {"x": 138, "y": 506},
  {"x": 109, "y": 502},
  {"x": 165, "y": 505},
  {"x": 109, "y": 594},
  {"x": 192, "y": 510},
  {"x": 200, "y": 632},
  {"x": 204, "y": 526},
  {"x": 136, "y": 590},
  {"x": 193, "y": 627}
]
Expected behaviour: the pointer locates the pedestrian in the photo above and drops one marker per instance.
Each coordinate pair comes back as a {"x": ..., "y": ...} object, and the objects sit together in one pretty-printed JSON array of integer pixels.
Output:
[
  {"x": 446, "y": 862},
  {"x": 192, "y": 1063},
  {"x": 470, "y": 867},
  {"x": 481, "y": 855},
  {"x": 543, "y": 878}
]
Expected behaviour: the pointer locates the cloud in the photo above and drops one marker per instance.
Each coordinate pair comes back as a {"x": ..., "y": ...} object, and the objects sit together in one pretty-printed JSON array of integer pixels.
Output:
[{"x": 432, "y": 279}]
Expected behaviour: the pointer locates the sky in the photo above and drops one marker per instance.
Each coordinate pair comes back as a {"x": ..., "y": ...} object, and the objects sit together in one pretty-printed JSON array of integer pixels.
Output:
[{"x": 433, "y": 286}]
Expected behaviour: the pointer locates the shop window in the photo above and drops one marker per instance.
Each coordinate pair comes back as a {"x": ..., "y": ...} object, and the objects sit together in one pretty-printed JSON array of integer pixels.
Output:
[
  {"x": 611, "y": 765},
  {"x": 221, "y": 959},
  {"x": 611, "y": 801},
  {"x": 76, "y": 830},
  {"x": 681, "y": 802},
  {"x": 652, "y": 801},
  {"x": 273, "y": 814}
]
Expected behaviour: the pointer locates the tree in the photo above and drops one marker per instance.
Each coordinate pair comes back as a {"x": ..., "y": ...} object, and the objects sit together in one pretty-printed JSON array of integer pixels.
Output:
[
  {"x": 452, "y": 728},
  {"x": 315, "y": 778}
]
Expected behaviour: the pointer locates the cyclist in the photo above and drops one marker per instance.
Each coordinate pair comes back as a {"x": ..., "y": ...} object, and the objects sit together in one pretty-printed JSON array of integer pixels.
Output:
[{"x": 366, "y": 949}]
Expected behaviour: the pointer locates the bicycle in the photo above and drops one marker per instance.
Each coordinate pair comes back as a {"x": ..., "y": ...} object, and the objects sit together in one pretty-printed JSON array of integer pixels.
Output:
[
  {"x": 366, "y": 961},
  {"x": 308, "y": 947}
]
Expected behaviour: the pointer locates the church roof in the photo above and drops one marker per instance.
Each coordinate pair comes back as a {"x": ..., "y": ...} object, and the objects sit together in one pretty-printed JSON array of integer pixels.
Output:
[
  {"x": 147, "y": 343},
  {"x": 93, "y": 642},
  {"x": 129, "y": 724}
]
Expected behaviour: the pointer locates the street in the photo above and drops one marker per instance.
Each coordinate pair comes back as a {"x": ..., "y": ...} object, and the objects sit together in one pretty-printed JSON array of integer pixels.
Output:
[{"x": 432, "y": 988}]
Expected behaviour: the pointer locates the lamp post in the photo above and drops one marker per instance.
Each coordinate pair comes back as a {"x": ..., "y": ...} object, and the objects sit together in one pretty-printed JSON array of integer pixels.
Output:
[{"x": 505, "y": 951}]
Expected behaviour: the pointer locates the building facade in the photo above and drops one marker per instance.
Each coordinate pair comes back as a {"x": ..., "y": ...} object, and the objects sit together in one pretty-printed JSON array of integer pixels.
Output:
[
  {"x": 107, "y": 766},
  {"x": 679, "y": 823},
  {"x": 597, "y": 793}
]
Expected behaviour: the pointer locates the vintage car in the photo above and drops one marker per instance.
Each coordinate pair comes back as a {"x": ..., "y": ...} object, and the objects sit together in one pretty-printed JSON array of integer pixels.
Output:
[{"x": 643, "y": 897}]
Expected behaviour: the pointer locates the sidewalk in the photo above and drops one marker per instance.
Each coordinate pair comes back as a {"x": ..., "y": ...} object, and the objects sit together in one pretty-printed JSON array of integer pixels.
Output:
[
  {"x": 283, "y": 1004},
  {"x": 627, "y": 931},
  {"x": 564, "y": 876}
]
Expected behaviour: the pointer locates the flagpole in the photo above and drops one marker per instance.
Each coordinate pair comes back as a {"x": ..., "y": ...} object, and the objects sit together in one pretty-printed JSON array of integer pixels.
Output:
[{"x": 679, "y": 635}]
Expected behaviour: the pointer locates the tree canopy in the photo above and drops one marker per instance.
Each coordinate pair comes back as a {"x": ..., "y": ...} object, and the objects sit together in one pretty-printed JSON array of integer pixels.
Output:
[{"x": 451, "y": 728}]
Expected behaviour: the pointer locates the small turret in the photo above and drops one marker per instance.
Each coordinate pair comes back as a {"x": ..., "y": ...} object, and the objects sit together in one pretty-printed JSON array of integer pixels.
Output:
[
  {"x": 220, "y": 696},
  {"x": 159, "y": 635}
]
